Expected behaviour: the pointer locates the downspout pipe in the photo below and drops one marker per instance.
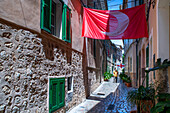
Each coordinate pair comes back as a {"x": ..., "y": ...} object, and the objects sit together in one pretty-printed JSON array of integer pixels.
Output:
[
  {"x": 136, "y": 62},
  {"x": 136, "y": 58}
]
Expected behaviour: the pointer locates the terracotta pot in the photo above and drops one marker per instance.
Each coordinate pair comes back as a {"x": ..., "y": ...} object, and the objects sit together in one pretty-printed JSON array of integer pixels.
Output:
[
  {"x": 128, "y": 84},
  {"x": 145, "y": 106},
  {"x": 106, "y": 80},
  {"x": 133, "y": 111}
]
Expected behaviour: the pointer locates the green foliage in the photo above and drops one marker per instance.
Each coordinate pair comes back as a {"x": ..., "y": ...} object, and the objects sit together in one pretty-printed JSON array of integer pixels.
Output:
[
  {"x": 128, "y": 80},
  {"x": 123, "y": 71},
  {"x": 125, "y": 78},
  {"x": 133, "y": 97},
  {"x": 163, "y": 104},
  {"x": 122, "y": 75},
  {"x": 142, "y": 93},
  {"x": 107, "y": 75}
]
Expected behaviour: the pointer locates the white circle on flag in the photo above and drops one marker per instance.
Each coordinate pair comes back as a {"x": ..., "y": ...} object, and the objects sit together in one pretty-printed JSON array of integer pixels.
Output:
[{"x": 122, "y": 21}]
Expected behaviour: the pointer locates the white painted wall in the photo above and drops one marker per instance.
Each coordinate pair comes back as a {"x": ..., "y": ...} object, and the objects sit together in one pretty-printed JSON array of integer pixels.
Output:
[
  {"x": 131, "y": 53},
  {"x": 163, "y": 29}
]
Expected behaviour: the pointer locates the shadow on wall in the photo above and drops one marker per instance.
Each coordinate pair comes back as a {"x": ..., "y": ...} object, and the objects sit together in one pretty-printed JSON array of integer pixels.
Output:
[{"x": 50, "y": 42}]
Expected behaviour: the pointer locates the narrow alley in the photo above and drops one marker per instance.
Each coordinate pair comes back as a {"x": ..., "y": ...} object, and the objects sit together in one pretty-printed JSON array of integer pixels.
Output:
[
  {"x": 84, "y": 56},
  {"x": 109, "y": 97}
]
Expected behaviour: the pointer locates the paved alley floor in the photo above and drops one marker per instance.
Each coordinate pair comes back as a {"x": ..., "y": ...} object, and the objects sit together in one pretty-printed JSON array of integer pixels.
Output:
[{"x": 107, "y": 98}]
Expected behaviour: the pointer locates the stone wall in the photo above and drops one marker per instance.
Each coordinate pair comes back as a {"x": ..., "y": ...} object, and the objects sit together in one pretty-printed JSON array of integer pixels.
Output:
[
  {"x": 162, "y": 80},
  {"x": 24, "y": 72},
  {"x": 78, "y": 95},
  {"x": 133, "y": 79},
  {"x": 17, "y": 12}
]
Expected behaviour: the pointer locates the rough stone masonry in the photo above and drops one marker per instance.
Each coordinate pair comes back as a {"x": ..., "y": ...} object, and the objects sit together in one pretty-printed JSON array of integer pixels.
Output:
[{"x": 24, "y": 72}]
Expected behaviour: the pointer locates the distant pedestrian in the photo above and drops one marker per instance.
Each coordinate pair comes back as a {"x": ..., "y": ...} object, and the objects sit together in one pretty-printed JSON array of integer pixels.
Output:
[{"x": 115, "y": 73}]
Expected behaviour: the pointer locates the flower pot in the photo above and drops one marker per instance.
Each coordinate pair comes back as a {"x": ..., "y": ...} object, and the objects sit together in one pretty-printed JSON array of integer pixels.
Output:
[
  {"x": 128, "y": 84},
  {"x": 133, "y": 111},
  {"x": 145, "y": 106},
  {"x": 106, "y": 80}
]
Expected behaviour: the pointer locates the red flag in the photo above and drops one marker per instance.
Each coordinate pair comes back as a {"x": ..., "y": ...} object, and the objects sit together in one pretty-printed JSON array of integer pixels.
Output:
[
  {"x": 121, "y": 65},
  {"x": 115, "y": 24}
]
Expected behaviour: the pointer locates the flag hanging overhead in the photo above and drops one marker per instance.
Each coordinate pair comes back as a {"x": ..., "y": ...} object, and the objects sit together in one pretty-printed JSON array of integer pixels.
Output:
[{"x": 115, "y": 24}]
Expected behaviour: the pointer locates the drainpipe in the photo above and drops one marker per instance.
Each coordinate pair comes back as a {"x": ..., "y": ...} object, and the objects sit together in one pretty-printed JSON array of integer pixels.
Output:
[
  {"x": 137, "y": 56},
  {"x": 136, "y": 62}
]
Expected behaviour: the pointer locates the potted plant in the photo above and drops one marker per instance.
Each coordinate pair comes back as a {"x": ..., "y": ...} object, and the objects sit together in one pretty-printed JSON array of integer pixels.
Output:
[
  {"x": 163, "y": 105},
  {"x": 143, "y": 97},
  {"x": 123, "y": 77},
  {"x": 128, "y": 82},
  {"x": 107, "y": 76}
]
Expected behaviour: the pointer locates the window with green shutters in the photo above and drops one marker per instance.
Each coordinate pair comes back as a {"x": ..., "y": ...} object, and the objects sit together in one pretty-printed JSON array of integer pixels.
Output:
[
  {"x": 46, "y": 15},
  {"x": 56, "y": 94},
  {"x": 66, "y": 24},
  {"x": 130, "y": 64},
  {"x": 147, "y": 65},
  {"x": 147, "y": 56},
  {"x": 154, "y": 65},
  {"x": 53, "y": 13}
]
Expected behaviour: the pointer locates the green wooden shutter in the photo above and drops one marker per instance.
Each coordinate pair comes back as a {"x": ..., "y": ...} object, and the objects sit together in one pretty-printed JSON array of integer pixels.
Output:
[
  {"x": 66, "y": 21},
  {"x": 147, "y": 65},
  {"x": 147, "y": 56},
  {"x": 62, "y": 93},
  {"x": 57, "y": 94},
  {"x": 154, "y": 65},
  {"x": 53, "y": 96},
  {"x": 46, "y": 6}
]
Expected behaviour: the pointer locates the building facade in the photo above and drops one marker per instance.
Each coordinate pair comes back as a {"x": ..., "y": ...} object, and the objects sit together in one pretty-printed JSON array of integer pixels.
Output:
[
  {"x": 152, "y": 53},
  {"x": 111, "y": 54},
  {"x": 45, "y": 64},
  {"x": 101, "y": 54},
  {"x": 154, "y": 50},
  {"x": 158, "y": 44}
]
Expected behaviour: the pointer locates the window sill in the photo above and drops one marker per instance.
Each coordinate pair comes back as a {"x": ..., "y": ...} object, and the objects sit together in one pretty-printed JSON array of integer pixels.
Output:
[
  {"x": 46, "y": 34},
  {"x": 67, "y": 41},
  {"x": 71, "y": 91}
]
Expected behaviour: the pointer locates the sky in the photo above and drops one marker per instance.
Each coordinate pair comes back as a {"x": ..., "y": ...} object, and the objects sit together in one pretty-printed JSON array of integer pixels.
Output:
[{"x": 114, "y": 5}]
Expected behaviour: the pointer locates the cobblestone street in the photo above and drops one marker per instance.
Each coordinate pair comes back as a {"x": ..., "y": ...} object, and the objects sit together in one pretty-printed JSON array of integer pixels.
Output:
[
  {"x": 84, "y": 56},
  {"x": 109, "y": 97}
]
